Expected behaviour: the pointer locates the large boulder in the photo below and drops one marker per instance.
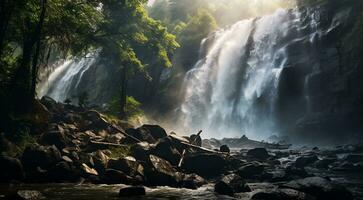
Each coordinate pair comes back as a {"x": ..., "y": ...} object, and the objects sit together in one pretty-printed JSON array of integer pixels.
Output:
[
  {"x": 54, "y": 137},
  {"x": 161, "y": 173},
  {"x": 155, "y": 131},
  {"x": 100, "y": 161},
  {"x": 11, "y": 169},
  {"x": 224, "y": 149},
  {"x": 192, "y": 181},
  {"x": 354, "y": 158},
  {"x": 132, "y": 191},
  {"x": 251, "y": 170},
  {"x": 320, "y": 188},
  {"x": 141, "y": 134},
  {"x": 223, "y": 188},
  {"x": 237, "y": 183},
  {"x": 62, "y": 171},
  {"x": 207, "y": 165},
  {"x": 128, "y": 165},
  {"x": 165, "y": 149},
  {"x": 40, "y": 156},
  {"x": 305, "y": 160},
  {"x": 141, "y": 151},
  {"x": 258, "y": 153},
  {"x": 113, "y": 176}
]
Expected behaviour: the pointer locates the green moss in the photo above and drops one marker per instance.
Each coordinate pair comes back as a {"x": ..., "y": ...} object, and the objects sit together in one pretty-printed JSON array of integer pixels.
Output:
[{"x": 117, "y": 152}]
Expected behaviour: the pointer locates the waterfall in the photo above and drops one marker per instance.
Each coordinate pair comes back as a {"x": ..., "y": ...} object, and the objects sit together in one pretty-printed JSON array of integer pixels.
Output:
[
  {"x": 233, "y": 88},
  {"x": 64, "y": 82}
]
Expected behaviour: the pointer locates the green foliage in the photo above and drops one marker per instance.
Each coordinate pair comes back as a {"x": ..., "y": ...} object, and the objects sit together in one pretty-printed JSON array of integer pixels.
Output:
[
  {"x": 117, "y": 152},
  {"x": 133, "y": 107}
]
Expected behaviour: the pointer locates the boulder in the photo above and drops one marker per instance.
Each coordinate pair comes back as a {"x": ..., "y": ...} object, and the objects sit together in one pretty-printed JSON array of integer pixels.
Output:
[
  {"x": 161, "y": 173},
  {"x": 305, "y": 161},
  {"x": 251, "y": 170},
  {"x": 132, "y": 191},
  {"x": 324, "y": 163},
  {"x": 128, "y": 165},
  {"x": 192, "y": 181},
  {"x": 141, "y": 151},
  {"x": 320, "y": 188},
  {"x": 88, "y": 171},
  {"x": 236, "y": 183},
  {"x": 45, "y": 157},
  {"x": 293, "y": 172},
  {"x": 62, "y": 171},
  {"x": 141, "y": 134},
  {"x": 164, "y": 149},
  {"x": 100, "y": 161},
  {"x": 207, "y": 165},
  {"x": 354, "y": 158},
  {"x": 54, "y": 137},
  {"x": 258, "y": 153},
  {"x": 155, "y": 131},
  {"x": 11, "y": 169},
  {"x": 113, "y": 176},
  {"x": 223, "y": 188},
  {"x": 224, "y": 149},
  {"x": 50, "y": 103}
]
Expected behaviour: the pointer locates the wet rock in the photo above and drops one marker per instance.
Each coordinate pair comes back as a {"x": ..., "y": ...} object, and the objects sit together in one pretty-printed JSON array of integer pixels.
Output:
[
  {"x": 258, "y": 153},
  {"x": 54, "y": 137},
  {"x": 100, "y": 161},
  {"x": 251, "y": 170},
  {"x": 224, "y": 149},
  {"x": 45, "y": 157},
  {"x": 132, "y": 191},
  {"x": 192, "y": 181},
  {"x": 161, "y": 173},
  {"x": 141, "y": 134},
  {"x": 129, "y": 165},
  {"x": 67, "y": 159},
  {"x": 236, "y": 183},
  {"x": 354, "y": 158},
  {"x": 206, "y": 165},
  {"x": 50, "y": 103},
  {"x": 155, "y": 131},
  {"x": 165, "y": 149},
  {"x": 113, "y": 176},
  {"x": 223, "y": 188},
  {"x": 280, "y": 194},
  {"x": 293, "y": 172},
  {"x": 320, "y": 188},
  {"x": 324, "y": 163},
  {"x": 141, "y": 151},
  {"x": 88, "y": 170},
  {"x": 305, "y": 161},
  {"x": 61, "y": 172},
  {"x": 10, "y": 169}
]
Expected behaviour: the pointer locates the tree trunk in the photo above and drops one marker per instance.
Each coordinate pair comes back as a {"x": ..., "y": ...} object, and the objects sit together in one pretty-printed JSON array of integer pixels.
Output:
[
  {"x": 37, "y": 34},
  {"x": 124, "y": 90},
  {"x": 6, "y": 10}
]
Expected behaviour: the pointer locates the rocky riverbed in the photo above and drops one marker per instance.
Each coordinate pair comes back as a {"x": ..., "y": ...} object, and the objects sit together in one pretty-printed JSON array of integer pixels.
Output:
[{"x": 82, "y": 154}]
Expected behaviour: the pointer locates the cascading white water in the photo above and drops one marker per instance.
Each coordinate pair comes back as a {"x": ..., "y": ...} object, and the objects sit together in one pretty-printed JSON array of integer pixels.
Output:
[
  {"x": 232, "y": 90},
  {"x": 65, "y": 79}
]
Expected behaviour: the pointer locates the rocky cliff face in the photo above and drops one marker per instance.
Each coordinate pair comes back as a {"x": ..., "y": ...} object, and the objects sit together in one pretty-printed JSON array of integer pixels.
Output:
[{"x": 329, "y": 81}]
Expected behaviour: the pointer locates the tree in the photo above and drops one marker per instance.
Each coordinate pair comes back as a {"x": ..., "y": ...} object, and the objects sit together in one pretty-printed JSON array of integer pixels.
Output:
[{"x": 134, "y": 41}]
